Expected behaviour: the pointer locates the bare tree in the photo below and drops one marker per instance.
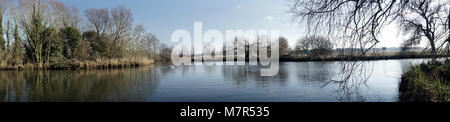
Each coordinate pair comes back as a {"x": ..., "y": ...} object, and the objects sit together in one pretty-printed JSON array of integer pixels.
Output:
[
  {"x": 122, "y": 21},
  {"x": 138, "y": 34},
  {"x": 448, "y": 28},
  {"x": 314, "y": 46},
  {"x": 4, "y": 6},
  {"x": 356, "y": 23},
  {"x": 165, "y": 52},
  {"x": 424, "y": 19},
  {"x": 16, "y": 49},
  {"x": 301, "y": 47},
  {"x": 284, "y": 46},
  {"x": 99, "y": 19},
  {"x": 151, "y": 44},
  {"x": 65, "y": 16},
  {"x": 10, "y": 19}
]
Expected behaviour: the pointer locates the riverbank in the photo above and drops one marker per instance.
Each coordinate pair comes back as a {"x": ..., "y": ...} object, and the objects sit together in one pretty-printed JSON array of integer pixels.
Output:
[
  {"x": 88, "y": 64},
  {"x": 426, "y": 82}
]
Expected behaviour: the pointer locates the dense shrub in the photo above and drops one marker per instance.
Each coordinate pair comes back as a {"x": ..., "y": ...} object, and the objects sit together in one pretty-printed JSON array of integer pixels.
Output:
[
  {"x": 426, "y": 82},
  {"x": 314, "y": 46}
]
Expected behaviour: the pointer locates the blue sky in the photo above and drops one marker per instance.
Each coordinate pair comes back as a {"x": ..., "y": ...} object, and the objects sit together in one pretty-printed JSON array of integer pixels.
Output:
[{"x": 162, "y": 17}]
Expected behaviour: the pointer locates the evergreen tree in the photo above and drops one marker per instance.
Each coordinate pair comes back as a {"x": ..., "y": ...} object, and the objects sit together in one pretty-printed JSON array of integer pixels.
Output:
[
  {"x": 2, "y": 40},
  {"x": 72, "y": 42},
  {"x": 17, "y": 48}
]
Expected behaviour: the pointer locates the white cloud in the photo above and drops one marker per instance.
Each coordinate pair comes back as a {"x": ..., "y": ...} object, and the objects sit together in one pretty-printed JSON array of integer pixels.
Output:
[
  {"x": 239, "y": 6},
  {"x": 268, "y": 18}
]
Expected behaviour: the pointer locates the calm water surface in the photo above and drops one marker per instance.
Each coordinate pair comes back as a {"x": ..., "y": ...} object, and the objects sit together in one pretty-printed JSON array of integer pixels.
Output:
[{"x": 296, "y": 82}]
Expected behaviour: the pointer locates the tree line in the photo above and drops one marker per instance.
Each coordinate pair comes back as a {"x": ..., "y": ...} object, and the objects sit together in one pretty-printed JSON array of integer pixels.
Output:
[
  {"x": 48, "y": 31},
  {"x": 309, "y": 46}
]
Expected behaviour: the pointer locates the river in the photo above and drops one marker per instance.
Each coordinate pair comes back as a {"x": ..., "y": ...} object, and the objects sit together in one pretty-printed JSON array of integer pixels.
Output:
[{"x": 295, "y": 82}]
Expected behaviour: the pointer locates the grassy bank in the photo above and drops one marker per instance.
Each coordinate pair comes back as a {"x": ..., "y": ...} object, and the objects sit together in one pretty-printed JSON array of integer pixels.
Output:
[
  {"x": 426, "y": 82},
  {"x": 88, "y": 64}
]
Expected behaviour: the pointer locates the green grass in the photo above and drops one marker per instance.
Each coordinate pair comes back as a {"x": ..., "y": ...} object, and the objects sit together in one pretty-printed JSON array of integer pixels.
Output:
[{"x": 426, "y": 82}]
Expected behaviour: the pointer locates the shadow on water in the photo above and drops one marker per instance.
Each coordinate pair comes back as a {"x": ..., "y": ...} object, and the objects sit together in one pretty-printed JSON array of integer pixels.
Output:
[{"x": 133, "y": 84}]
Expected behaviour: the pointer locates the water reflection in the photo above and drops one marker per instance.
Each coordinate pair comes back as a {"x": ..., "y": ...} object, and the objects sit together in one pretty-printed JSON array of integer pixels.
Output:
[
  {"x": 295, "y": 82},
  {"x": 353, "y": 77},
  {"x": 315, "y": 71},
  {"x": 346, "y": 78},
  {"x": 241, "y": 75},
  {"x": 135, "y": 84}
]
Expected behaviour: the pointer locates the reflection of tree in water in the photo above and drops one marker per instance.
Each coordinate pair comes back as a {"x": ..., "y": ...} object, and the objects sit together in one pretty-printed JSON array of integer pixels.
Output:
[
  {"x": 11, "y": 86},
  {"x": 133, "y": 84},
  {"x": 244, "y": 74},
  {"x": 352, "y": 75},
  {"x": 347, "y": 77},
  {"x": 314, "y": 71},
  {"x": 239, "y": 74},
  {"x": 280, "y": 78}
]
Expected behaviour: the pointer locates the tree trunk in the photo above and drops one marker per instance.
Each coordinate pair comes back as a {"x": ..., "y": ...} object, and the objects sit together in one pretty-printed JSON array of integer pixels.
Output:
[
  {"x": 448, "y": 46},
  {"x": 433, "y": 48},
  {"x": 448, "y": 38},
  {"x": 431, "y": 38}
]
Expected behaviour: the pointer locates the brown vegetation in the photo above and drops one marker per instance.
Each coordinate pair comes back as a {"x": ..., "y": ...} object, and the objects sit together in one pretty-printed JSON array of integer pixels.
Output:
[{"x": 44, "y": 34}]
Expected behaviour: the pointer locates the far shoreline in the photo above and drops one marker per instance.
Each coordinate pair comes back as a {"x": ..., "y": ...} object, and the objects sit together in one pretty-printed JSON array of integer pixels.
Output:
[
  {"x": 343, "y": 58},
  {"x": 363, "y": 58},
  {"x": 119, "y": 64}
]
